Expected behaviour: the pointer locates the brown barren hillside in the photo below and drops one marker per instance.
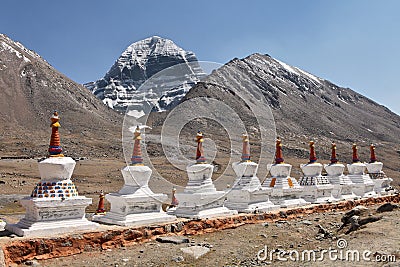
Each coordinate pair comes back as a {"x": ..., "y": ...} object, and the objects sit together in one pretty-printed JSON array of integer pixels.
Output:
[{"x": 30, "y": 89}]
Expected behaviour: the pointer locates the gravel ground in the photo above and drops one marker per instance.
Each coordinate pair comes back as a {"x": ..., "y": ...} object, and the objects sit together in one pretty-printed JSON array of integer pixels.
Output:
[{"x": 240, "y": 246}]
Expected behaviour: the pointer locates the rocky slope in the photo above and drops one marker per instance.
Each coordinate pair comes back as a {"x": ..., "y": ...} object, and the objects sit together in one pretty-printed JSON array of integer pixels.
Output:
[
  {"x": 30, "y": 90},
  {"x": 119, "y": 88},
  {"x": 302, "y": 103}
]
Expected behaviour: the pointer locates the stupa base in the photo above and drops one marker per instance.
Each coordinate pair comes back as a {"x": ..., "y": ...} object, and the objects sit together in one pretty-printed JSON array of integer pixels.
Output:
[
  {"x": 382, "y": 186},
  {"x": 47, "y": 216},
  {"x": 288, "y": 198},
  {"x": 196, "y": 213},
  {"x": 138, "y": 219},
  {"x": 363, "y": 185},
  {"x": 318, "y": 193},
  {"x": 140, "y": 208},
  {"x": 250, "y": 201}
]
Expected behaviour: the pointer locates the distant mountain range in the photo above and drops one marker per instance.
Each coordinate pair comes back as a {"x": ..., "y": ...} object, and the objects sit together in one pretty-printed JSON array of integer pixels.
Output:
[{"x": 119, "y": 88}]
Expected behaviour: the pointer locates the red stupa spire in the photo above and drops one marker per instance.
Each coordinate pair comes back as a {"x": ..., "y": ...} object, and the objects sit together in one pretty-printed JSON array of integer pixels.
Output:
[
  {"x": 55, "y": 148},
  {"x": 355, "y": 154},
  {"x": 199, "y": 151},
  {"x": 136, "y": 158},
  {"x": 246, "y": 148},
  {"x": 373, "y": 157},
  {"x": 313, "y": 156},
  {"x": 100, "y": 208},
  {"x": 334, "y": 157},
  {"x": 278, "y": 152}
]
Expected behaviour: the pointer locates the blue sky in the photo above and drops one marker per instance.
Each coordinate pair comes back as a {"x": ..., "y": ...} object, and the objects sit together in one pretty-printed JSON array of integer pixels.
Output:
[{"x": 352, "y": 43}]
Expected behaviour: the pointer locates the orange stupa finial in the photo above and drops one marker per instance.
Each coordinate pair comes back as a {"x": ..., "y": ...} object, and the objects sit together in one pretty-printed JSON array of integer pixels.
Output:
[
  {"x": 136, "y": 158},
  {"x": 278, "y": 152},
  {"x": 355, "y": 154},
  {"x": 174, "y": 201},
  {"x": 313, "y": 155},
  {"x": 334, "y": 157},
  {"x": 100, "y": 208},
  {"x": 55, "y": 148},
  {"x": 373, "y": 157},
  {"x": 246, "y": 148},
  {"x": 199, "y": 151}
]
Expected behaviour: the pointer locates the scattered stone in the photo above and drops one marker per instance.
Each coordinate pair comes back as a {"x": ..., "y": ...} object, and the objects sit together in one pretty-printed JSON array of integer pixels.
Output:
[
  {"x": 323, "y": 232},
  {"x": 356, "y": 222},
  {"x": 359, "y": 210},
  {"x": 172, "y": 239},
  {"x": 387, "y": 207},
  {"x": 282, "y": 214},
  {"x": 207, "y": 245},
  {"x": 264, "y": 235},
  {"x": 178, "y": 259},
  {"x": 168, "y": 228},
  {"x": 32, "y": 263},
  {"x": 125, "y": 260},
  {"x": 2, "y": 225},
  {"x": 306, "y": 222},
  {"x": 195, "y": 251},
  {"x": 274, "y": 236},
  {"x": 265, "y": 224}
]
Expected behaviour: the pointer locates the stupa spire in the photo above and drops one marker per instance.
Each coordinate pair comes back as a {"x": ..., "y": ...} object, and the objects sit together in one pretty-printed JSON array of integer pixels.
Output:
[
  {"x": 355, "y": 154},
  {"x": 136, "y": 158},
  {"x": 55, "y": 148},
  {"x": 278, "y": 152},
  {"x": 313, "y": 156},
  {"x": 199, "y": 151},
  {"x": 372, "y": 157},
  {"x": 334, "y": 157},
  {"x": 246, "y": 148}
]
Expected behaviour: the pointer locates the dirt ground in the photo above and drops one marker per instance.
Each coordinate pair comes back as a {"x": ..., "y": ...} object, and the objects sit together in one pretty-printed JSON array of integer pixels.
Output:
[{"x": 240, "y": 246}]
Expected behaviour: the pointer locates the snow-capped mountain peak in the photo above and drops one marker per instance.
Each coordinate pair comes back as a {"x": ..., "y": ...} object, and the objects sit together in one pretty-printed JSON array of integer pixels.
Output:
[{"x": 139, "y": 62}]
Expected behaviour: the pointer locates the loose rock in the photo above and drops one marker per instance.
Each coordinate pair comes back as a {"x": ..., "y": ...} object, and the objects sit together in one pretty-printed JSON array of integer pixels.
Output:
[
  {"x": 172, "y": 239},
  {"x": 195, "y": 251},
  {"x": 387, "y": 207}
]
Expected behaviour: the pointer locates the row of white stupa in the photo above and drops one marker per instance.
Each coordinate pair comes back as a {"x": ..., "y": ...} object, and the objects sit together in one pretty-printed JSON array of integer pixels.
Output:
[{"x": 55, "y": 206}]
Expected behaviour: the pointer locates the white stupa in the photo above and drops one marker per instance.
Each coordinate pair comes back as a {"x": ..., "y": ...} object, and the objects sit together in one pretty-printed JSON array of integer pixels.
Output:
[
  {"x": 135, "y": 204},
  {"x": 363, "y": 184},
  {"x": 381, "y": 181},
  {"x": 316, "y": 188},
  {"x": 200, "y": 199},
  {"x": 286, "y": 192},
  {"x": 54, "y": 206},
  {"x": 342, "y": 185},
  {"x": 247, "y": 195}
]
